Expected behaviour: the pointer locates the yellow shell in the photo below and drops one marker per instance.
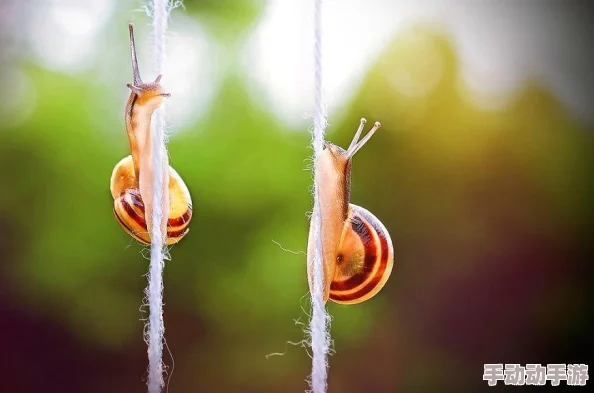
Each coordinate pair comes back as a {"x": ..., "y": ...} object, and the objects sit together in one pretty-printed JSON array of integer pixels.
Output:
[{"x": 129, "y": 207}]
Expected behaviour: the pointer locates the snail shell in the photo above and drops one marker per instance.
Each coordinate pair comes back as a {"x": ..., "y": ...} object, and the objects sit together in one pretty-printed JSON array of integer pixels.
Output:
[
  {"x": 129, "y": 208},
  {"x": 364, "y": 258}
]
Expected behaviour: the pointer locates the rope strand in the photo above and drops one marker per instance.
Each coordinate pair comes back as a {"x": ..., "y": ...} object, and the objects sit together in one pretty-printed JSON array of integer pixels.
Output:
[
  {"x": 320, "y": 320},
  {"x": 154, "y": 291}
]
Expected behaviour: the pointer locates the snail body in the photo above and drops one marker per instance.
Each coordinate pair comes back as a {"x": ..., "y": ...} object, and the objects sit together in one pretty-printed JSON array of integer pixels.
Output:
[
  {"x": 357, "y": 251},
  {"x": 131, "y": 182}
]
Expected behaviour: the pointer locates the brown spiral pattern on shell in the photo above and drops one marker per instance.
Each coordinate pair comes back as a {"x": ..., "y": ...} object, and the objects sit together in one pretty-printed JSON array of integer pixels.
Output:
[
  {"x": 130, "y": 213},
  {"x": 378, "y": 259}
]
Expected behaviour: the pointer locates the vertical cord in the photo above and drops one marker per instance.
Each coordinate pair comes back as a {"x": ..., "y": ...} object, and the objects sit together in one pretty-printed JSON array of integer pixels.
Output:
[
  {"x": 318, "y": 326},
  {"x": 154, "y": 290}
]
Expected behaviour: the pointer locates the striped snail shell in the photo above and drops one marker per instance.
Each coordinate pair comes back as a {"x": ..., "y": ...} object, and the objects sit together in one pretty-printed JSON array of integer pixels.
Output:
[
  {"x": 364, "y": 258},
  {"x": 129, "y": 208},
  {"x": 357, "y": 252}
]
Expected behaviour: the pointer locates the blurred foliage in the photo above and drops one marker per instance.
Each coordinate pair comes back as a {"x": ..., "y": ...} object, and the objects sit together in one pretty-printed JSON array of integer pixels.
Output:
[
  {"x": 484, "y": 207},
  {"x": 227, "y": 19}
]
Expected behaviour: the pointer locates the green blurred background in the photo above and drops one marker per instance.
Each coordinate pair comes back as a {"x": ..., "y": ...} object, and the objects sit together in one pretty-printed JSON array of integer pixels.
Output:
[{"x": 489, "y": 205}]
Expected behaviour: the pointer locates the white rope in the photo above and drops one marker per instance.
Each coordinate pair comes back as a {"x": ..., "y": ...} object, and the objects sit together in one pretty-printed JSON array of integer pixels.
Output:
[
  {"x": 154, "y": 291},
  {"x": 320, "y": 320}
]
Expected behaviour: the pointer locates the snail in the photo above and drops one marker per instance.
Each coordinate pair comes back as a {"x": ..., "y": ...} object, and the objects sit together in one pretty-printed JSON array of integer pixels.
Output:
[
  {"x": 131, "y": 179},
  {"x": 357, "y": 252}
]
